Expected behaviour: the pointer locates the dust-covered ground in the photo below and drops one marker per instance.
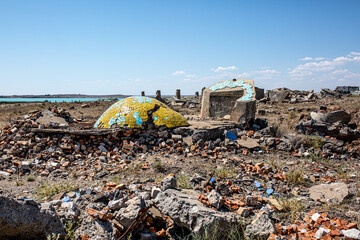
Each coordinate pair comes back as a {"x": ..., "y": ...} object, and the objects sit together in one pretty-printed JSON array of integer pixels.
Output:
[{"x": 279, "y": 171}]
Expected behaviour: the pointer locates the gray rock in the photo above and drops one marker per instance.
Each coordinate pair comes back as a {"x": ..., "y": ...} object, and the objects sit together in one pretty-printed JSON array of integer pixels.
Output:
[
  {"x": 251, "y": 201},
  {"x": 320, "y": 232},
  {"x": 115, "y": 205},
  {"x": 215, "y": 199},
  {"x": 352, "y": 233},
  {"x": 96, "y": 229},
  {"x": 270, "y": 142},
  {"x": 337, "y": 116},
  {"x": 249, "y": 143},
  {"x": 126, "y": 216},
  {"x": 323, "y": 192},
  {"x": 168, "y": 182},
  {"x": 260, "y": 227},
  {"x": 331, "y": 117},
  {"x": 188, "y": 140},
  {"x": 155, "y": 191},
  {"x": 196, "y": 179},
  {"x": 223, "y": 189},
  {"x": 243, "y": 111},
  {"x": 5, "y": 174},
  {"x": 49, "y": 119},
  {"x": 28, "y": 220},
  {"x": 184, "y": 208},
  {"x": 284, "y": 145}
]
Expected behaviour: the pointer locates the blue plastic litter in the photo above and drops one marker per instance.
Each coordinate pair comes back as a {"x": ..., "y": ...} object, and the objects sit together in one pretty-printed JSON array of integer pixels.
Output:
[
  {"x": 212, "y": 180},
  {"x": 66, "y": 199},
  {"x": 269, "y": 191},
  {"x": 231, "y": 136},
  {"x": 278, "y": 194},
  {"x": 258, "y": 184},
  {"x": 77, "y": 194}
]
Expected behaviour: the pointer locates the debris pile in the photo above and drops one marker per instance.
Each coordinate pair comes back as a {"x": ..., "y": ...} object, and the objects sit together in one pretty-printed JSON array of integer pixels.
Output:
[{"x": 317, "y": 225}]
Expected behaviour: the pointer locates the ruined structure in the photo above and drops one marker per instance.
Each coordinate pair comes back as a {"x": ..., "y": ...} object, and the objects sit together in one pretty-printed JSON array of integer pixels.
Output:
[
  {"x": 137, "y": 112},
  {"x": 231, "y": 97},
  {"x": 346, "y": 89}
]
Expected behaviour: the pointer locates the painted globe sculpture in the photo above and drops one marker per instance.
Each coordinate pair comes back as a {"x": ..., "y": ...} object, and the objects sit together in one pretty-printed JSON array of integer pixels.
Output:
[{"x": 134, "y": 112}]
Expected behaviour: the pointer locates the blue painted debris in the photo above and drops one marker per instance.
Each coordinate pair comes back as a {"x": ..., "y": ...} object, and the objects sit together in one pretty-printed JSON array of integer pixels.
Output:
[
  {"x": 259, "y": 187},
  {"x": 269, "y": 191},
  {"x": 66, "y": 199},
  {"x": 212, "y": 180},
  {"x": 231, "y": 136}
]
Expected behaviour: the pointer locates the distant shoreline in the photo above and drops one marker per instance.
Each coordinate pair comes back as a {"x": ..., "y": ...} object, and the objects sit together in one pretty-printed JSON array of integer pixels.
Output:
[{"x": 66, "y": 96}]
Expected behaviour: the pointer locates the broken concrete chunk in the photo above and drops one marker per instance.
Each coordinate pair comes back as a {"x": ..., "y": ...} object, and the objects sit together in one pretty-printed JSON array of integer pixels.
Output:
[
  {"x": 215, "y": 199},
  {"x": 126, "y": 216},
  {"x": 261, "y": 227},
  {"x": 168, "y": 182},
  {"x": 352, "y": 233},
  {"x": 323, "y": 192},
  {"x": 27, "y": 220},
  {"x": 183, "y": 207},
  {"x": 249, "y": 143}
]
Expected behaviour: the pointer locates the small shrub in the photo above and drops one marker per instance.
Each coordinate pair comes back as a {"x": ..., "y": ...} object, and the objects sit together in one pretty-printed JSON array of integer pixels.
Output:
[
  {"x": 30, "y": 178},
  {"x": 70, "y": 227},
  {"x": 219, "y": 232},
  {"x": 183, "y": 181},
  {"x": 316, "y": 157},
  {"x": 295, "y": 177},
  {"x": 290, "y": 207},
  {"x": 315, "y": 141},
  {"x": 291, "y": 115},
  {"x": 53, "y": 237},
  {"x": 47, "y": 191},
  {"x": 343, "y": 173},
  {"x": 225, "y": 172},
  {"x": 158, "y": 164}
]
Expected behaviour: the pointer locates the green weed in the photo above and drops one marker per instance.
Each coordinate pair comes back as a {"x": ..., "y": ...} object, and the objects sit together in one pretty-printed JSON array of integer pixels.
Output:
[
  {"x": 290, "y": 207},
  {"x": 47, "y": 191},
  {"x": 295, "y": 177},
  {"x": 183, "y": 181},
  {"x": 314, "y": 141},
  {"x": 225, "y": 172}
]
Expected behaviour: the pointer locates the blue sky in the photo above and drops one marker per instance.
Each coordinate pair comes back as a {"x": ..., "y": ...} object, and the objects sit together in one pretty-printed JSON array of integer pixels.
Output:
[{"x": 114, "y": 47}]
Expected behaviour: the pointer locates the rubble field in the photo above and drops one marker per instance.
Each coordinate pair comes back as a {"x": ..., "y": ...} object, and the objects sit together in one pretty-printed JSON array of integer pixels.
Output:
[{"x": 292, "y": 173}]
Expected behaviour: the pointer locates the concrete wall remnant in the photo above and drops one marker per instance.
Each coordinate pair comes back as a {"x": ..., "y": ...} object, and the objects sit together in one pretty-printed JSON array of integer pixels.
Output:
[
  {"x": 346, "y": 89},
  {"x": 230, "y": 97},
  {"x": 259, "y": 93}
]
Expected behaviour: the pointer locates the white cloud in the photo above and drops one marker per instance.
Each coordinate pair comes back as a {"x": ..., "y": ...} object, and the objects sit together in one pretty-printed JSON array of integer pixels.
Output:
[
  {"x": 309, "y": 68},
  {"x": 306, "y": 59},
  {"x": 355, "y": 53},
  {"x": 311, "y": 58},
  {"x": 231, "y": 68},
  {"x": 328, "y": 73},
  {"x": 178, "y": 73},
  {"x": 190, "y": 76}
]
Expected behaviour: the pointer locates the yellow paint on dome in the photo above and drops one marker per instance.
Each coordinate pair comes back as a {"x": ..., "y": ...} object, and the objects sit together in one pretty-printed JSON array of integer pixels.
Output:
[{"x": 132, "y": 112}]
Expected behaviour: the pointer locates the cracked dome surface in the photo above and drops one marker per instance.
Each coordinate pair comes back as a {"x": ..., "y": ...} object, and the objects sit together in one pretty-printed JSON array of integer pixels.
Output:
[{"x": 134, "y": 112}]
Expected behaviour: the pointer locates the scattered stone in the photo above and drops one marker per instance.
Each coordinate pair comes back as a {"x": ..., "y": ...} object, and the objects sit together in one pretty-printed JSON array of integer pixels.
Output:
[
  {"x": 323, "y": 192},
  {"x": 28, "y": 220},
  {"x": 168, "y": 182},
  {"x": 260, "y": 227},
  {"x": 186, "y": 211}
]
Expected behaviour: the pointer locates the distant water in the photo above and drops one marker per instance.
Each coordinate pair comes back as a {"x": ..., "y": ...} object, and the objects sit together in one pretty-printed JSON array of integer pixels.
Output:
[{"x": 54, "y": 99}]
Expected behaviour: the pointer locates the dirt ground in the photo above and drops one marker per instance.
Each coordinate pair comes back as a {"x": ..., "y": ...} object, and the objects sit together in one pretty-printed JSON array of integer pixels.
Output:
[{"x": 284, "y": 115}]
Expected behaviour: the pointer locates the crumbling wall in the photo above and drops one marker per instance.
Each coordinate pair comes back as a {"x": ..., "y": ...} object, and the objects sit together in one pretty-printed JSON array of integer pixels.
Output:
[{"x": 229, "y": 98}]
